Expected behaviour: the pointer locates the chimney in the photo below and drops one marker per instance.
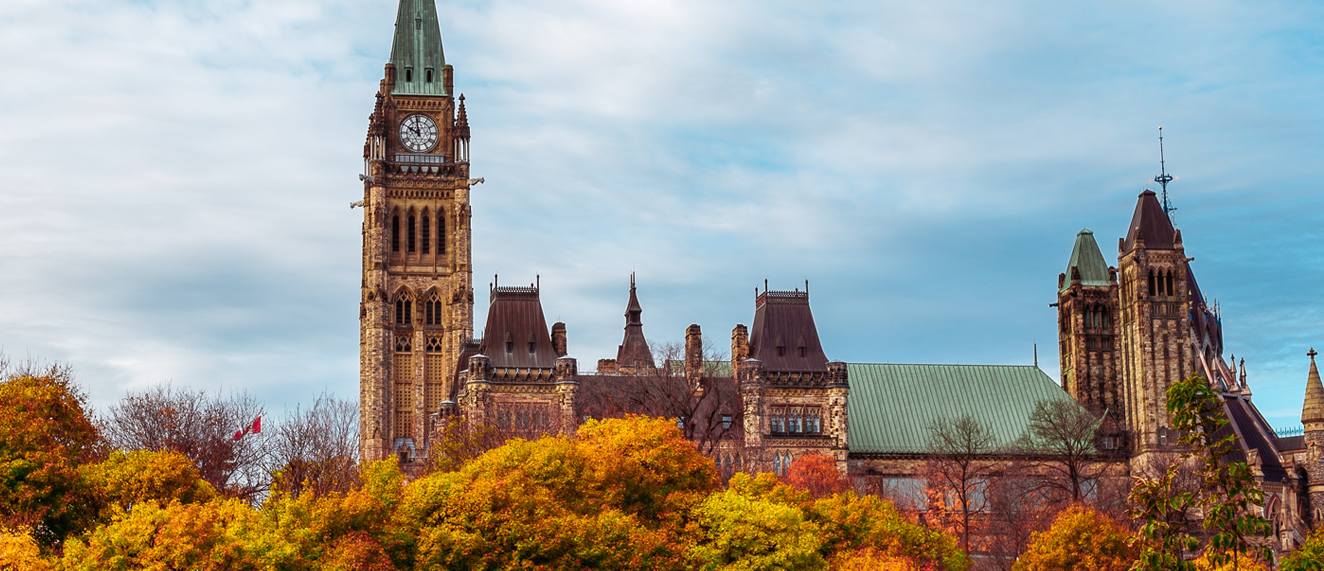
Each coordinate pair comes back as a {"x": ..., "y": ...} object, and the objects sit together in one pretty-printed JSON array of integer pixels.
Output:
[
  {"x": 739, "y": 347},
  {"x": 390, "y": 76},
  {"x": 558, "y": 338},
  {"x": 693, "y": 353}
]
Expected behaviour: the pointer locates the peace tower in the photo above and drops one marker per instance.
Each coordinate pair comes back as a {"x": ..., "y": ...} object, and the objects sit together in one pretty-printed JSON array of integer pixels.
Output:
[{"x": 417, "y": 301}]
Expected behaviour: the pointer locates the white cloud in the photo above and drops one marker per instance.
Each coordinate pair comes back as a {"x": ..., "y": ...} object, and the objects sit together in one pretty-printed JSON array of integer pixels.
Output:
[{"x": 177, "y": 173}]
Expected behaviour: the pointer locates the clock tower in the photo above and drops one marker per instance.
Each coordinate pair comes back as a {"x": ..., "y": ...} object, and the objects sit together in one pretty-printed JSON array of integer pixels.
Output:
[{"x": 416, "y": 306}]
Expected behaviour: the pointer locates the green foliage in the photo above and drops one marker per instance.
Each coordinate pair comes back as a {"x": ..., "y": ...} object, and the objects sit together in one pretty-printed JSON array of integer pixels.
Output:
[
  {"x": 1161, "y": 540},
  {"x": 1309, "y": 557},
  {"x": 1080, "y": 538},
  {"x": 1228, "y": 492}
]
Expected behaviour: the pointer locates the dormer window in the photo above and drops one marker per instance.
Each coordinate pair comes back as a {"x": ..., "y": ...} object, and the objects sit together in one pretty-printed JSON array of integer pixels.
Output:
[
  {"x": 533, "y": 347},
  {"x": 781, "y": 351},
  {"x": 804, "y": 351},
  {"x": 427, "y": 75},
  {"x": 510, "y": 344},
  {"x": 409, "y": 74}
]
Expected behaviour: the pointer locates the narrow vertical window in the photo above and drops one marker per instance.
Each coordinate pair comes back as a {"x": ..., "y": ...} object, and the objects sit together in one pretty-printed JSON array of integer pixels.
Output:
[
  {"x": 441, "y": 232},
  {"x": 427, "y": 233},
  {"x": 399, "y": 312},
  {"x": 428, "y": 75},
  {"x": 409, "y": 312},
  {"x": 395, "y": 233},
  {"x": 409, "y": 74},
  {"x": 1151, "y": 283},
  {"x": 412, "y": 229}
]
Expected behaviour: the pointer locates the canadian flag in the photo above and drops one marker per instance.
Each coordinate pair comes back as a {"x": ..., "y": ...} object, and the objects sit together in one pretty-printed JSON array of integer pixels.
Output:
[{"x": 255, "y": 428}]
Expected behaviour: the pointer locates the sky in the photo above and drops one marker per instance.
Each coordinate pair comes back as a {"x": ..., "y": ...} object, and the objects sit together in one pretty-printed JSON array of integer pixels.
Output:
[{"x": 177, "y": 174}]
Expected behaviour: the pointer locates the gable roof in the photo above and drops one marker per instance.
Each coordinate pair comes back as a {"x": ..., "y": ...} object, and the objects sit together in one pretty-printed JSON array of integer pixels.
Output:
[
  {"x": 1151, "y": 223},
  {"x": 1088, "y": 260},
  {"x": 891, "y": 406}
]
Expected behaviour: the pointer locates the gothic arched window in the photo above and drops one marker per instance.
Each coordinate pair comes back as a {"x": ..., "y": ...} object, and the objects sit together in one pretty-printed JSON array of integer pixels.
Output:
[
  {"x": 395, "y": 233},
  {"x": 432, "y": 310}
]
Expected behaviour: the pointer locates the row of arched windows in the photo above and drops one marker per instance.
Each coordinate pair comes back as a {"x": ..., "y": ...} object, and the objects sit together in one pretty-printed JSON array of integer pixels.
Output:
[
  {"x": 1096, "y": 317},
  {"x": 1160, "y": 283},
  {"x": 404, "y": 310},
  {"x": 413, "y": 231}
]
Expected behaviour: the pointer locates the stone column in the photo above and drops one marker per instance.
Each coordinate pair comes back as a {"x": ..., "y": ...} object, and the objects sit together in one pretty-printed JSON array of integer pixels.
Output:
[
  {"x": 751, "y": 377},
  {"x": 838, "y": 390}
]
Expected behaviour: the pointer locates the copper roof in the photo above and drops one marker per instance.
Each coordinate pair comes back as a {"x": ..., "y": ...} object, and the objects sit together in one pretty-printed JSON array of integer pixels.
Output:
[
  {"x": 516, "y": 332},
  {"x": 1086, "y": 258},
  {"x": 1151, "y": 223},
  {"x": 784, "y": 337}
]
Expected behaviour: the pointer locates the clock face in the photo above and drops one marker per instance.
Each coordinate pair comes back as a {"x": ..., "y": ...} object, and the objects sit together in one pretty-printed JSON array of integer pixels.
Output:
[{"x": 418, "y": 133}]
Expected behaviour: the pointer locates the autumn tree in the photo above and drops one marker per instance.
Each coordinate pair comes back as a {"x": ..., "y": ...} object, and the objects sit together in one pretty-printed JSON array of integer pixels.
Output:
[
  {"x": 707, "y": 408},
  {"x": 1080, "y": 538},
  {"x": 45, "y": 435},
  {"x": 958, "y": 472},
  {"x": 200, "y": 425},
  {"x": 127, "y": 479},
  {"x": 817, "y": 474},
  {"x": 315, "y": 449}
]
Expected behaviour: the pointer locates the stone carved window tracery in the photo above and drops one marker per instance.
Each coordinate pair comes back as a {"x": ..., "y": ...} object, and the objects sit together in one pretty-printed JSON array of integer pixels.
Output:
[
  {"x": 796, "y": 420},
  {"x": 432, "y": 310}
]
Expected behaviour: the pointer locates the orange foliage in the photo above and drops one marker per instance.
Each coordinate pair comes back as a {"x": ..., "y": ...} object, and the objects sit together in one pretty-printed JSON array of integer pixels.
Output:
[
  {"x": 45, "y": 434},
  {"x": 1080, "y": 538},
  {"x": 817, "y": 474}
]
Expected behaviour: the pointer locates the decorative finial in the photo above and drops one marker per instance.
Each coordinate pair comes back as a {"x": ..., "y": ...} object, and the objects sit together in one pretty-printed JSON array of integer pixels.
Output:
[
  {"x": 1311, "y": 354},
  {"x": 1164, "y": 178}
]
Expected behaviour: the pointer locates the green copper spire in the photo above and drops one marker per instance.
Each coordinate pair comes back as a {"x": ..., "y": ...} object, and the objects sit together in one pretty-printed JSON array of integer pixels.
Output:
[
  {"x": 416, "y": 51},
  {"x": 1085, "y": 256}
]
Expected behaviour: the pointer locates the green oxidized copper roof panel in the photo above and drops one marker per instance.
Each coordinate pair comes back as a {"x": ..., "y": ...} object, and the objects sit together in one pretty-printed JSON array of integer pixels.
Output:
[
  {"x": 891, "y": 406},
  {"x": 1086, "y": 257},
  {"x": 417, "y": 50}
]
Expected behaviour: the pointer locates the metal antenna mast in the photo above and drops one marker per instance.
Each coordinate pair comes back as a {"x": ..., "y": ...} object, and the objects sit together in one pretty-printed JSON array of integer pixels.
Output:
[{"x": 1164, "y": 178}]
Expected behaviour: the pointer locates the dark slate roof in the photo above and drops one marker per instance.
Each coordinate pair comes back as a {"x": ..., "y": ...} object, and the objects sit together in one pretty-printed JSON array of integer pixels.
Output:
[
  {"x": 1254, "y": 434},
  {"x": 634, "y": 348},
  {"x": 515, "y": 316},
  {"x": 1152, "y": 222},
  {"x": 417, "y": 45},
  {"x": 1291, "y": 444},
  {"x": 891, "y": 406},
  {"x": 1086, "y": 258},
  {"x": 782, "y": 319}
]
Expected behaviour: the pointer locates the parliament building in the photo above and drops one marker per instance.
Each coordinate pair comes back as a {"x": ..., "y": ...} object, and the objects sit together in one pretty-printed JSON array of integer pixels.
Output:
[{"x": 1127, "y": 331}]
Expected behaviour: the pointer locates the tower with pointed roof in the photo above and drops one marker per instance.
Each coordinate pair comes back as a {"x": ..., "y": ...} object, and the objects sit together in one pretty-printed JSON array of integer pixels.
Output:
[
  {"x": 634, "y": 356},
  {"x": 1087, "y": 328},
  {"x": 1154, "y": 332},
  {"x": 416, "y": 306},
  {"x": 794, "y": 398},
  {"x": 1312, "y": 419}
]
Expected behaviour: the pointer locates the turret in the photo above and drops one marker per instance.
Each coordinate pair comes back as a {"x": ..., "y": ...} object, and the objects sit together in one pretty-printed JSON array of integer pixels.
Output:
[{"x": 1312, "y": 418}]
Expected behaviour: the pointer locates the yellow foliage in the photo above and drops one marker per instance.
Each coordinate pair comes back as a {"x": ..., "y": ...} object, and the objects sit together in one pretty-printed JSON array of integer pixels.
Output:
[
  {"x": 19, "y": 551},
  {"x": 127, "y": 478},
  {"x": 1080, "y": 538},
  {"x": 1243, "y": 563},
  {"x": 869, "y": 559}
]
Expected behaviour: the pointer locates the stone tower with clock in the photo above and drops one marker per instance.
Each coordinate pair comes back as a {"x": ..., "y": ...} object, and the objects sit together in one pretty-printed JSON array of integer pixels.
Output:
[{"x": 416, "y": 309}]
